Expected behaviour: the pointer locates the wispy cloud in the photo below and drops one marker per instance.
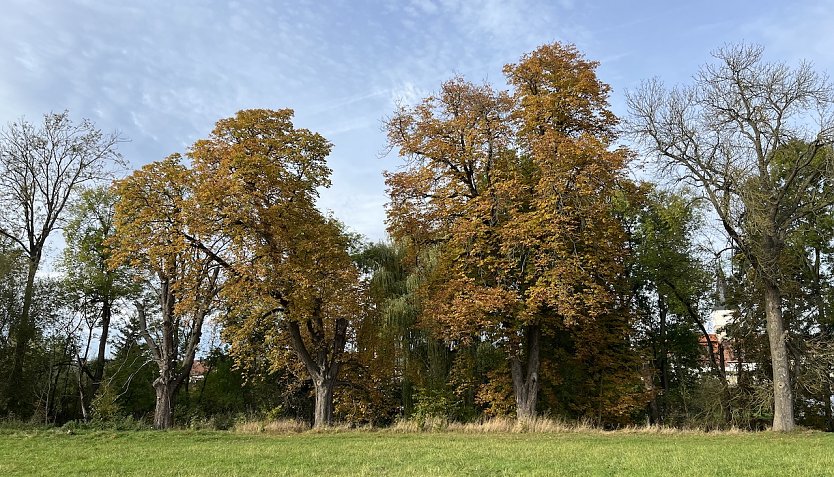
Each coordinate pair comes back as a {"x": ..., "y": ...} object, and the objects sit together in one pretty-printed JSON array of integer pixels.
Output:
[
  {"x": 796, "y": 31},
  {"x": 163, "y": 71}
]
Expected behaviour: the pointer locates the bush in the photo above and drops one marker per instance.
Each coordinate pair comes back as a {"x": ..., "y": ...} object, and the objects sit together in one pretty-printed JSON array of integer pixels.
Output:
[{"x": 104, "y": 406}]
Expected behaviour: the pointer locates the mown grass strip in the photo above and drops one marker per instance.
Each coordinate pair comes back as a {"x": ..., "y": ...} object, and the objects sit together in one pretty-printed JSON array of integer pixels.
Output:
[{"x": 385, "y": 453}]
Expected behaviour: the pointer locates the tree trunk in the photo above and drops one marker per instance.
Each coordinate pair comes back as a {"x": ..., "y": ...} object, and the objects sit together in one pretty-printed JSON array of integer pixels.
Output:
[
  {"x": 23, "y": 333},
  {"x": 783, "y": 419},
  {"x": 82, "y": 396},
  {"x": 829, "y": 418},
  {"x": 323, "y": 370},
  {"x": 98, "y": 372},
  {"x": 163, "y": 416},
  {"x": 323, "y": 416},
  {"x": 526, "y": 378},
  {"x": 663, "y": 311},
  {"x": 648, "y": 373}
]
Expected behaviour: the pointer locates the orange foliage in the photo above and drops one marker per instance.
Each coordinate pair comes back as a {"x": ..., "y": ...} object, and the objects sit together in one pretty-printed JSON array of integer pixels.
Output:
[
  {"x": 518, "y": 188},
  {"x": 292, "y": 282}
]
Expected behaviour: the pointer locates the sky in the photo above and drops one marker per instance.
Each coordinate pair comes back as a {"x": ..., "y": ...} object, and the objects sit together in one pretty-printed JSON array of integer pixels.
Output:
[{"x": 163, "y": 72}]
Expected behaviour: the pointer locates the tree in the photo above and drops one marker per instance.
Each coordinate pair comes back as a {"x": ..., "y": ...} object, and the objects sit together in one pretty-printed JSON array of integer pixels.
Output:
[
  {"x": 518, "y": 190},
  {"x": 728, "y": 135},
  {"x": 151, "y": 236},
  {"x": 394, "y": 341},
  {"x": 12, "y": 278},
  {"x": 293, "y": 285},
  {"x": 46, "y": 369},
  {"x": 129, "y": 375},
  {"x": 41, "y": 169},
  {"x": 669, "y": 283},
  {"x": 93, "y": 284}
]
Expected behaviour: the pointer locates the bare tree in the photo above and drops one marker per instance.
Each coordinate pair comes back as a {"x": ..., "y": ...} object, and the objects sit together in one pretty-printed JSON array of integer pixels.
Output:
[
  {"x": 41, "y": 168},
  {"x": 755, "y": 139}
]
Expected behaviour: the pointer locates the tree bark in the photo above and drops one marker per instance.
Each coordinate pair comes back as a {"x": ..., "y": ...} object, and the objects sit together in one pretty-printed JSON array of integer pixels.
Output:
[
  {"x": 783, "y": 418},
  {"x": 526, "y": 375},
  {"x": 324, "y": 368},
  {"x": 168, "y": 351},
  {"x": 163, "y": 416},
  {"x": 163, "y": 353},
  {"x": 324, "y": 402},
  {"x": 98, "y": 372}
]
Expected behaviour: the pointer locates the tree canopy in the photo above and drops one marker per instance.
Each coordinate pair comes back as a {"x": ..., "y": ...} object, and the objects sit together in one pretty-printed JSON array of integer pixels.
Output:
[{"x": 527, "y": 271}]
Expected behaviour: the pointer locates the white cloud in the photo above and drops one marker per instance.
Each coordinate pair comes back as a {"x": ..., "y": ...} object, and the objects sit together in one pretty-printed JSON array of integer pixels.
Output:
[
  {"x": 163, "y": 72},
  {"x": 408, "y": 94},
  {"x": 796, "y": 31}
]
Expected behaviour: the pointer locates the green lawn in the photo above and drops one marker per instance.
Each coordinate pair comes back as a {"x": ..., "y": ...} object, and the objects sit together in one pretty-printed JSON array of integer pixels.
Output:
[{"x": 386, "y": 453}]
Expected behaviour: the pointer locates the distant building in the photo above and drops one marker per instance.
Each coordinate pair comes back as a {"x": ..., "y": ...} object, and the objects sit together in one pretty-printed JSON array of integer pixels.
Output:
[
  {"x": 726, "y": 355},
  {"x": 720, "y": 318},
  {"x": 723, "y": 348},
  {"x": 198, "y": 371}
]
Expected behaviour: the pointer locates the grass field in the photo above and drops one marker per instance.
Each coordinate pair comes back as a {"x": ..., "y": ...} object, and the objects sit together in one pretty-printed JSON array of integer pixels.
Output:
[{"x": 576, "y": 454}]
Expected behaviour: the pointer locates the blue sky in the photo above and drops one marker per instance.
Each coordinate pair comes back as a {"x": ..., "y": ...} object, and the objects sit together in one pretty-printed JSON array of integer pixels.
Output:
[{"x": 162, "y": 72}]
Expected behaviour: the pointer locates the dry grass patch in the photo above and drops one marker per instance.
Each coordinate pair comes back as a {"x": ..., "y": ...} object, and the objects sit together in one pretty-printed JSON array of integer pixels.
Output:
[
  {"x": 540, "y": 425},
  {"x": 281, "y": 426}
]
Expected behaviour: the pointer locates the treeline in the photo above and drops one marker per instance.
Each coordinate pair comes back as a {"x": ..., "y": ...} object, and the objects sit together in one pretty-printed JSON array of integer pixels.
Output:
[{"x": 527, "y": 272}]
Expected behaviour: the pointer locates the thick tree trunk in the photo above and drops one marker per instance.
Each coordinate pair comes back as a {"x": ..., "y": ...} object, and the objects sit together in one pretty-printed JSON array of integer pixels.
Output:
[
  {"x": 526, "y": 375},
  {"x": 323, "y": 416},
  {"x": 165, "y": 353},
  {"x": 24, "y": 330},
  {"x": 166, "y": 386},
  {"x": 163, "y": 416},
  {"x": 783, "y": 419},
  {"x": 325, "y": 367}
]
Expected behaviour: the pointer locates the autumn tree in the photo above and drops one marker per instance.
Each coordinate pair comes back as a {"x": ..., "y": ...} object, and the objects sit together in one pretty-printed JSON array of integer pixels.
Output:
[
  {"x": 752, "y": 137},
  {"x": 293, "y": 285},
  {"x": 517, "y": 188},
  {"x": 41, "y": 170},
  {"x": 152, "y": 236}
]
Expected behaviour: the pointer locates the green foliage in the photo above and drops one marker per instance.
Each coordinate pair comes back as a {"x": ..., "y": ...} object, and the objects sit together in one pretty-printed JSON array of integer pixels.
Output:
[
  {"x": 130, "y": 375},
  {"x": 105, "y": 406},
  {"x": 518, "y": 239},
  {"x": 12, "y": 280},
  {"x": 433, "y": 403},
  {"x": 219, "y": 392},
  {"x": 671, "y": 291},
  {"x": 84, "y": 262}
]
